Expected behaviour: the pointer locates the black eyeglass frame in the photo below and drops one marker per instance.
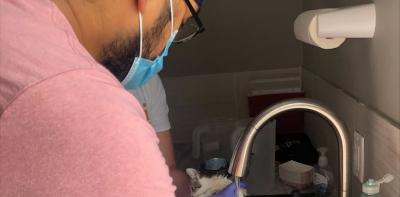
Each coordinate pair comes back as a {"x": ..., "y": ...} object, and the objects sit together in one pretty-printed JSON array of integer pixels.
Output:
[{"x": 200, "y": 27}]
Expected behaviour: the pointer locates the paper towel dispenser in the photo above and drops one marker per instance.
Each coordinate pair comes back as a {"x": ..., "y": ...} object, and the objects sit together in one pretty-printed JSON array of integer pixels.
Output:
[{"x": 329, "y": 28}]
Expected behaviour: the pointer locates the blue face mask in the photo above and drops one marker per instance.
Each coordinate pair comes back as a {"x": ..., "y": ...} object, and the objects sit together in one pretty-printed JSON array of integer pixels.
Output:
[{"x": 143, "y": 69}]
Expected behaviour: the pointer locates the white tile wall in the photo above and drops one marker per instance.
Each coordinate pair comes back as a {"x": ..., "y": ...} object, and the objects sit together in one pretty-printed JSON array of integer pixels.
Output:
[
  {"x": 382, "y": 138},
  {"x": 196, "y": 99},
  {"x": 382, "y": 148}
]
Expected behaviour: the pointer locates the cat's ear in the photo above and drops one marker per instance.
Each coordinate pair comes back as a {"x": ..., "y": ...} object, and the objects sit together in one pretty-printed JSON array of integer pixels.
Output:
[
  {"x": 193, "y": 173},
  {"x": 194, "y": 178}
]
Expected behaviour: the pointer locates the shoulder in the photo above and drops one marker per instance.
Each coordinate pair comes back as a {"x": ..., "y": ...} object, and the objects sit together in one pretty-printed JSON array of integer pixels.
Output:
[
  {"x": 154, "y": 84},
  {"x": 153, "y": 90},
  {"x": 88, "y": 118},
  {"x": 82, "y": 92}
]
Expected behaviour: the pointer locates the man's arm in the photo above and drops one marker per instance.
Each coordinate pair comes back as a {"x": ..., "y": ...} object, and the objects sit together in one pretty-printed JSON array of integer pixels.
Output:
[
  {"x": 180, "y": 179},
  {"x": 152, "y": 96}
]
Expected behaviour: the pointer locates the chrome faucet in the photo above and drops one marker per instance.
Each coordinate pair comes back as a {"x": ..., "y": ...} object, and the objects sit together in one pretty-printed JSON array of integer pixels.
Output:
[{"x": 243, "y": 148}]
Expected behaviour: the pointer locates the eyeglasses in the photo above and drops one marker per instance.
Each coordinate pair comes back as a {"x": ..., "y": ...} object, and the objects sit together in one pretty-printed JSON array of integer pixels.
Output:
[{"x": 192, "y": 27}]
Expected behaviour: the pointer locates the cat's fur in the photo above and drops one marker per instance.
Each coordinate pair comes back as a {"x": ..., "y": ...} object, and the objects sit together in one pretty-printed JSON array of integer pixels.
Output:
[{"x": 206, "y": 186}]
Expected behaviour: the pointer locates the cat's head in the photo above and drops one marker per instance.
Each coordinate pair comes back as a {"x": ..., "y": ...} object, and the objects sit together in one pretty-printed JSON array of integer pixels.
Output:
[{"x": 205, "y": 186}]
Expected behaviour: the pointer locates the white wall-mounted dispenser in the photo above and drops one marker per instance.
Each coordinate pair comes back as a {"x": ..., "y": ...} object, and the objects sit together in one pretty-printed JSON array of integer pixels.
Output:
[{"x": 329, "y": 28}]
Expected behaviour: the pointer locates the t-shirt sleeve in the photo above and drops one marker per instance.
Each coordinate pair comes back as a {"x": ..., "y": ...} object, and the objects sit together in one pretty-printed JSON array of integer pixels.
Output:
[
  {"x": 152, "y": 94},
  {"x": 80, "y": 135}
]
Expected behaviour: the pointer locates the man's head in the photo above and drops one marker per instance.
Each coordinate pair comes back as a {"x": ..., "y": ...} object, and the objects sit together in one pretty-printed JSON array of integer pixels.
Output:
[{"x": 109, "y": 29}]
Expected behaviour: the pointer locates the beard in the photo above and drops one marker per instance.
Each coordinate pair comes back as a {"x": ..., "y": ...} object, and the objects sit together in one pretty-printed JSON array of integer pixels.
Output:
[{"x": 118, "y": 55}]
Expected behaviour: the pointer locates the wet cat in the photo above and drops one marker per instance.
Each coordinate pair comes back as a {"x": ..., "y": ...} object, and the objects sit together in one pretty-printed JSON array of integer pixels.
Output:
[{"x": 206, "y": 186}]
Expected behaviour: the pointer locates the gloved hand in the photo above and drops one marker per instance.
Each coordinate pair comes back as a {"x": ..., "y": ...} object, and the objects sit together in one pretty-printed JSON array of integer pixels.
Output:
[{"x": 229, "y": 191}]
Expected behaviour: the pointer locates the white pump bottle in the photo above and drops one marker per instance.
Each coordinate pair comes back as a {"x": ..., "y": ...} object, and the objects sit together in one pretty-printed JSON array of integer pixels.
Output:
[{"x": 371, "y": 187}]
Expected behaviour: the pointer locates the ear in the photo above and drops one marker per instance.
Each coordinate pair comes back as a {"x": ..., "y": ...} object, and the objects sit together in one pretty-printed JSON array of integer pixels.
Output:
[
  {"x": 192, "y": 173},
  {"x": 141, "y": 4},
  {"x": 194, "y": 179}
]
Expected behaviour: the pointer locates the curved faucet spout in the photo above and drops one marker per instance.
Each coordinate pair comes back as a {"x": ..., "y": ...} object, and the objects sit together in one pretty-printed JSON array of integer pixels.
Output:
[{"x": 243, "y": 148}]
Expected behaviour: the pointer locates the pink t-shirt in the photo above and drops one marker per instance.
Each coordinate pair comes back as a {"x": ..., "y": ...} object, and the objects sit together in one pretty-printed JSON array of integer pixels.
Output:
[{"x": 67, "y": 126}]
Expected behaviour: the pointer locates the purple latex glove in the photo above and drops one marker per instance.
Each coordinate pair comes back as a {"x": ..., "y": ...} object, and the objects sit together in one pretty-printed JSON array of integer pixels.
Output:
[{"x": 229, "y": 191}]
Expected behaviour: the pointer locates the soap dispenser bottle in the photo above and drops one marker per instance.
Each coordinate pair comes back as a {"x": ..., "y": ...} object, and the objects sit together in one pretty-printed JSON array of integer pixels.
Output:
[
  {"x": 371, "y": 187},
  {"x": 323, "y": 176}
]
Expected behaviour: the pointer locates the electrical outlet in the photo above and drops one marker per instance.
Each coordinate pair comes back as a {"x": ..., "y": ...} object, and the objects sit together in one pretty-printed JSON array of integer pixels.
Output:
[{"x": 358, "y": 156}]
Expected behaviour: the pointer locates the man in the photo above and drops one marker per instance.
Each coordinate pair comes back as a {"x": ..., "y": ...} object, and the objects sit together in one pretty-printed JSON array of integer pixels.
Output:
[
  {"x": 153, "y": 98},
  {"x": 68, "y": 128},
  {"x": 67, "y": 125}
]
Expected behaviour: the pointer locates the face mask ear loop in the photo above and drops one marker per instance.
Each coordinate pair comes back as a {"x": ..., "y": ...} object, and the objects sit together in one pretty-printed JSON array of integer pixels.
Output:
[
  {"x": 140, "y": 34},
  {"x": 172, "y": 16}
]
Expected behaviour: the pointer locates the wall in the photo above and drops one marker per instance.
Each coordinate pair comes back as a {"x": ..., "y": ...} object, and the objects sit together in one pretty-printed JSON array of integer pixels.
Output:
[
  {"x": 194, "y": 100},
  {"x": 367, "y": 69},
  {"x": 240, "y": 36},
  {"x": 360, "y": 81},
  {"x": 382, "y": 152},
  {"x": 209, "y": 76}
]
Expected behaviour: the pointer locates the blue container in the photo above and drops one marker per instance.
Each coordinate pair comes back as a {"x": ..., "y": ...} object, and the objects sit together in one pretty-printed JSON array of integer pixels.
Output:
[{"x": 216, "y": 165}]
